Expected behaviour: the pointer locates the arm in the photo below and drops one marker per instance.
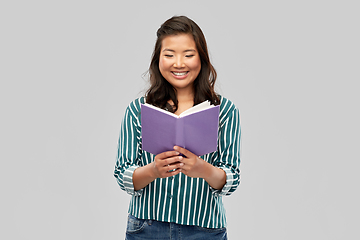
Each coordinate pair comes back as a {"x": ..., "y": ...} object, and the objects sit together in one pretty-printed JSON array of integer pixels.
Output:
[
  {"x": 129, "y": 150},
  {"x": 196, "y": 167},
  {"x": 165, "y": 165},
  {"x": 223, "y": 175},
  {"x": 215, "y": 177},
  {"x": 227, "y": 157},
  {"x": 130, "y": 175}
]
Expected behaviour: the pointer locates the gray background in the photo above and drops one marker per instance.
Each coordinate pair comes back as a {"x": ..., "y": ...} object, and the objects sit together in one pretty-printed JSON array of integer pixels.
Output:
[{"x": 68, "y": 69}]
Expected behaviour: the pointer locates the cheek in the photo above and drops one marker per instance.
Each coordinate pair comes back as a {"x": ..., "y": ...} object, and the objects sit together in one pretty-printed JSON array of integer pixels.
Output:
[
  {"x": 195, "y": 65},
  {"x": 164, "y": 68},
  {"x": 163, "y": 64}
]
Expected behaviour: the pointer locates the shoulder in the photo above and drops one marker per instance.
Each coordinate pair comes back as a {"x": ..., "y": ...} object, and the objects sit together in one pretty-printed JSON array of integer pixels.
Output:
[
  {"x": 226, "y": 105},
  {"x": 134, "y": 107},
  {"x": 227, "y": 109}
]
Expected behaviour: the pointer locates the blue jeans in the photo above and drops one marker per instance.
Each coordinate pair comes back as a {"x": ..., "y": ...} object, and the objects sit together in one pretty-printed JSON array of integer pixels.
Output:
[{"x": 150, "y": 229}]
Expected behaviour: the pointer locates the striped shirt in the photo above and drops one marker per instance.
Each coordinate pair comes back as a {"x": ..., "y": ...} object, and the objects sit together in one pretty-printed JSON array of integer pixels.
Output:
[{"x": 179, "y": 199}]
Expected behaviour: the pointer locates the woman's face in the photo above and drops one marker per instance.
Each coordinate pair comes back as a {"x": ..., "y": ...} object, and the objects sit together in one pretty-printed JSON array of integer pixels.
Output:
[{"x": 179, "y": 61}]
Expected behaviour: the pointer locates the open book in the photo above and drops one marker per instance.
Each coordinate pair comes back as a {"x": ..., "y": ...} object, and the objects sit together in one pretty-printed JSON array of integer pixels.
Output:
[{"x": 196, "y": 129}]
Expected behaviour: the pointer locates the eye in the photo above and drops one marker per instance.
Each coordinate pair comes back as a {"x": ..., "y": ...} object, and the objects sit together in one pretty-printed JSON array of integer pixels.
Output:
[
  {"x": 188, "y": 56},
  {"x": 167, "y": 55}
]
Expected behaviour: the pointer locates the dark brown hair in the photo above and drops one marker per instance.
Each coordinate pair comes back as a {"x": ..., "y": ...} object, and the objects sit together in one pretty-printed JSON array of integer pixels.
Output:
[{"x": 161, "y": 91}]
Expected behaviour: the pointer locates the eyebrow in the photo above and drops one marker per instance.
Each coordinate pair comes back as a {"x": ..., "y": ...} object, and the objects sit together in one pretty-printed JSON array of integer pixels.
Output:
[{"x": 170, "y": 50}]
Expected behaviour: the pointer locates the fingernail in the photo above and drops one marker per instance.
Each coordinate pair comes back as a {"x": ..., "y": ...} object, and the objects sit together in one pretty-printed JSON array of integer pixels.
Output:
[
  {"x": 181, "y": 164},
  {"x": 180, "y": 158}
]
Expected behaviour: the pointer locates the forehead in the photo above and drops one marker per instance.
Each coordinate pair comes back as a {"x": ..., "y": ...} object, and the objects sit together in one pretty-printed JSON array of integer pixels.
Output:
[{"x": 178, "y": 42}]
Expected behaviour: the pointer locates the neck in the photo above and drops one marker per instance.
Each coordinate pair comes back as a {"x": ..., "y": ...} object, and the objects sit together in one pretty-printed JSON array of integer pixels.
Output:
[
  {"x": 185, "y": 100},
  {"x": 185, "y": 95}
]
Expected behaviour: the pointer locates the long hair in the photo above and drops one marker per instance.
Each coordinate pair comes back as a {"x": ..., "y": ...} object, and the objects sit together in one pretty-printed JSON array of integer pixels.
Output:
[{"x": 161, "y": 91}]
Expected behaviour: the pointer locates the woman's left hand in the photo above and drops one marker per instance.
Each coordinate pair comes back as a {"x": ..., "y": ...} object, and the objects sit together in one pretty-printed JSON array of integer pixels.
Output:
[{"x": 193, "y": 166}]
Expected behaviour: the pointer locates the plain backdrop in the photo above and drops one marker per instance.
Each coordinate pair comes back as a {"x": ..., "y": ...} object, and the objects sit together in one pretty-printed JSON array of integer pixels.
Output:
[{"x": 68, "y": 70}]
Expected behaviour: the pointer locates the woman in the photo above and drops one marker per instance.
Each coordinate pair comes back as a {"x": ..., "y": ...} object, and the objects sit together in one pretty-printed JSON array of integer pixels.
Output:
[{"x": 176, "y": 194}]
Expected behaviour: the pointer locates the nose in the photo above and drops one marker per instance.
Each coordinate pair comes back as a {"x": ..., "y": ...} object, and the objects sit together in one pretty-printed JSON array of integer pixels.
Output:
[{"x": 179, "y": 62}]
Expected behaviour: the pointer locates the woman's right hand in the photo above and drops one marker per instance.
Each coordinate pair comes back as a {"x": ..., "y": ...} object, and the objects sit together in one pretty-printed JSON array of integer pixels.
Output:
[{"x": 167, "y": 164}]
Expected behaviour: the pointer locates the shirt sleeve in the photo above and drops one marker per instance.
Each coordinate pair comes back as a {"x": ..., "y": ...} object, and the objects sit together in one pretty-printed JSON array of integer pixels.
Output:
[
  {"x": 228, "y": 155},
  {"x": 128, "y": 152}
]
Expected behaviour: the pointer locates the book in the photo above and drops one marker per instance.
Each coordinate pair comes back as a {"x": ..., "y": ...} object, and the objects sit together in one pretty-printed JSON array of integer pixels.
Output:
[{"x": 196, "y": 129}]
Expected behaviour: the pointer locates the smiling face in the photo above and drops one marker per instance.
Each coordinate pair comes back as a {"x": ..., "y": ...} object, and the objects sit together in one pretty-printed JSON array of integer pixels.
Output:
[{"x": 179, "y": 61}]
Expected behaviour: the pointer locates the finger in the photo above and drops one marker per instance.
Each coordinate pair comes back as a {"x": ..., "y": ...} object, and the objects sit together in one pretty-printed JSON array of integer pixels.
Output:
[
  {"x": 170, "y": 162},
  {"x": 183, "y": 151},
  {"x": 173, "y": 160},
  {"x": 175, "y": 172},
  {"x": 167, "y": 154},
  {"x": 174, "y": 167},
  {"x": 170, "y": 174},
  {"x": 165, "y": 163}
]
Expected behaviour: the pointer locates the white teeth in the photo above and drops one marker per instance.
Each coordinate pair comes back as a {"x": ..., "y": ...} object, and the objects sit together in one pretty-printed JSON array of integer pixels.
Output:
[{"x": 179, "y": 73}]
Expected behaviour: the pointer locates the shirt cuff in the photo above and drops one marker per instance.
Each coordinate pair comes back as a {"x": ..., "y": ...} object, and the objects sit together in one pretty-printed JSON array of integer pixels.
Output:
[
  {"x": 228, "y": 185},
  {"x": 128, "y": 182}
]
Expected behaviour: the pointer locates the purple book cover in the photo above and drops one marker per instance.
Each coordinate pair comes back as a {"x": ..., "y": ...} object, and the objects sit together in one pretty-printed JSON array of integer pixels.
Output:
[{"x": 197, "y": 132}]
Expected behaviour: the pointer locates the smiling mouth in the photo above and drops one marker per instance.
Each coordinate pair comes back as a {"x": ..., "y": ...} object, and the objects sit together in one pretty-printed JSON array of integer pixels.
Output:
[{"x": 179, "y": 73}]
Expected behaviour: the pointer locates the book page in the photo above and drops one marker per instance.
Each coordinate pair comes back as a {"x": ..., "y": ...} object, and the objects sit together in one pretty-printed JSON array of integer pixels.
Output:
[{"x": 197, "y": 108}]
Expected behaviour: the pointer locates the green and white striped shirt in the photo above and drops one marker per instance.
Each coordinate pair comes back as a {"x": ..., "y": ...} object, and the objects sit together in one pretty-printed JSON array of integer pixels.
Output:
[{"x": 179, "y": 199}]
